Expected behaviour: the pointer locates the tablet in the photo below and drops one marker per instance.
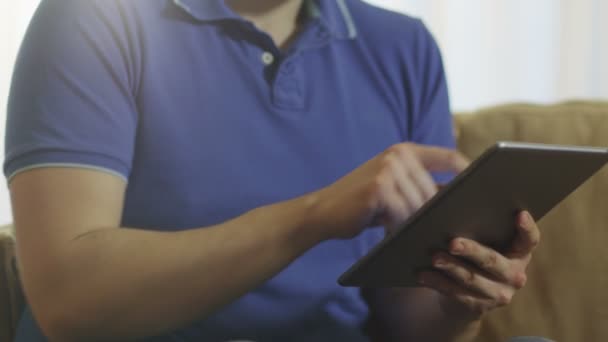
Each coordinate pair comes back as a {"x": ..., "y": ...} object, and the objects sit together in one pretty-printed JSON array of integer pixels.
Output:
[{"x": 481, "y": 204}]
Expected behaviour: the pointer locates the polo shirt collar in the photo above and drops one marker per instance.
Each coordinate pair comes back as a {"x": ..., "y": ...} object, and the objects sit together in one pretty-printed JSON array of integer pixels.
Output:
[
  {"x": 334, "y": 14},
  {"x": 206, "y": 10}
]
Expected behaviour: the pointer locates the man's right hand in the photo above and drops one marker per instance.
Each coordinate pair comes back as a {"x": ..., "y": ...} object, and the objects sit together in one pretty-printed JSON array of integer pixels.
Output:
[{"x": 385, "y": 190}]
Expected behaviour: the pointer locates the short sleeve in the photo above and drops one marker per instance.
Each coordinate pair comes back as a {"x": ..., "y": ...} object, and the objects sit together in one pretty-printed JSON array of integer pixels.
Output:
[
  {"x": 72, "y": 99},
  {"x": 432, "y": 122}
]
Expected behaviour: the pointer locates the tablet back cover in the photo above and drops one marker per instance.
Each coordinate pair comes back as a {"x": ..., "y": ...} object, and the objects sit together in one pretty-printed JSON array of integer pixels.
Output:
[{"x": 480, "y": 204}]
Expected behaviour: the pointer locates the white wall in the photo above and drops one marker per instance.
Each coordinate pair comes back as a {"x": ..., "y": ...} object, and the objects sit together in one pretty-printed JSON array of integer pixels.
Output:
[{"x": 517, "y": 50}]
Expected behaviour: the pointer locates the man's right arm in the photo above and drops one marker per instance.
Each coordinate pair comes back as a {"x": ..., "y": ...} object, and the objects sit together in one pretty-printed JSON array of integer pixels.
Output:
[{"x": 85, "y": 279}]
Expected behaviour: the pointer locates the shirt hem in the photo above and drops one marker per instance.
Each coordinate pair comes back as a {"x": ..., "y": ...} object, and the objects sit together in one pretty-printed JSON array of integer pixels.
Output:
[{"x": 66, "y": 165}]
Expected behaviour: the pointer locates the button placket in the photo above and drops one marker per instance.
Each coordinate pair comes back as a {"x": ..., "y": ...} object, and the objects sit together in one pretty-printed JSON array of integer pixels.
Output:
[
  {"x": 287, "y": 92},
  {"x": 288, "y": 67}
]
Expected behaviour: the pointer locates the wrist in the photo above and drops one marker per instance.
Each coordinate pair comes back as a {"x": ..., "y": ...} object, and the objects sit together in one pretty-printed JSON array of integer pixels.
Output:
[
  {"x": 466, "y": 323},
  {"x": 469, "y": 331},
  {"x": 296, "y": 222},
  {"x": 313, "y": 222}
]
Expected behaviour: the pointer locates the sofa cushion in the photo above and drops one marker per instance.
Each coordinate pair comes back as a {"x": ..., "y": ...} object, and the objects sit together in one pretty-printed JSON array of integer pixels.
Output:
[
  {"x": 11, "y": 298},
  {"x": 565, "y": 298}
]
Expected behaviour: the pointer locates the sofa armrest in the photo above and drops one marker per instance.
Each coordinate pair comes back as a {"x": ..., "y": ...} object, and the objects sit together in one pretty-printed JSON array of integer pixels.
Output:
[
  {"x": 7, "y": 230},
  {"x": 11, "y": 295}
]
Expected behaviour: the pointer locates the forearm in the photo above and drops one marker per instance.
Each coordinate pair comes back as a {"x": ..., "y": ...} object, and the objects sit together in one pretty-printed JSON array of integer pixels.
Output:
[
  {"x": 86, "y": 281},
  {"x": 126, "y": 283},
  {"x": 417, "y": 314}
]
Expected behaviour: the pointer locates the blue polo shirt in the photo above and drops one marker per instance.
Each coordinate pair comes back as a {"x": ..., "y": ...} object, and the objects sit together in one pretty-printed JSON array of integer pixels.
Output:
[{"x": 206, "y": 118}]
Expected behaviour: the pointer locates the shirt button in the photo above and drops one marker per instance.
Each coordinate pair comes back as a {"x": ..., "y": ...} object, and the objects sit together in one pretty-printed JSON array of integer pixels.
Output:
[{"x": 267, "y": 58}]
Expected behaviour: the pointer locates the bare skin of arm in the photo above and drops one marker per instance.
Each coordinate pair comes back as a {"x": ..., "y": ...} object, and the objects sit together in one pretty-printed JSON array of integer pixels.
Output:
[
  {"x": 84, "y": 276},
  {"x": 87, "y": 279},
  {"x": 469, "y": 280},
  {"x": 417, "y": 314}
]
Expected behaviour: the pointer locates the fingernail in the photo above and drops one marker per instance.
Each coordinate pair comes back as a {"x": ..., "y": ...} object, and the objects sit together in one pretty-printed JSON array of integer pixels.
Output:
[
  {"x": 440, "y": 263},
  {"x": 527, "y": 219},
  {"x": 458, "y": 248}
]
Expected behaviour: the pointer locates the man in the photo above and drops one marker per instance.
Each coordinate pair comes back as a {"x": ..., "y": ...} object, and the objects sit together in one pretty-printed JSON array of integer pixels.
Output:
[{"x": 204, "y": 170}]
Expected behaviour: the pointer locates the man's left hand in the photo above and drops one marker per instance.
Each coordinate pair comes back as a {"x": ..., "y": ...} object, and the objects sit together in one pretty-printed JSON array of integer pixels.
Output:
[{"x": 475, "y": 279}]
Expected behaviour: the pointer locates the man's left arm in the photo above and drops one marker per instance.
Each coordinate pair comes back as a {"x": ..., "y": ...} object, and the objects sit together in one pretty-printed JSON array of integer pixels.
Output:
[{"x": 468, "y": 281}]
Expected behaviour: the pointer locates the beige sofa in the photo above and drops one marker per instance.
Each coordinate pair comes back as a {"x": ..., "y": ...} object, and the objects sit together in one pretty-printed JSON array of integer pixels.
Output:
[
  {"x": 566, "y": 298},
  {"x": 11, "y": 298}
]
